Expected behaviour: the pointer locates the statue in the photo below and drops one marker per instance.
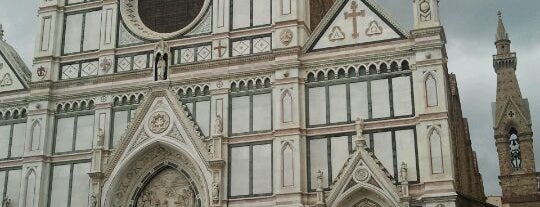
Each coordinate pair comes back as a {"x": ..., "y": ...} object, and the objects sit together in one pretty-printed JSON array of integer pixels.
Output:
[
  {"x": 6, "y": 202},
  {"x": 319, "y": 180},
  {"x": 93, "y": 200},
  {"x": 215, "y": 191},
  {"x": 101, "y": 137},
  {"x": 515, "y": 151},
  {"x": 161, "y": 54},
  {"x": 404, "y": 173},
  {"x": 161, "y": 68},
  {"x": 360, "y": 140},
  {"x": 219, "y": 125},
  {"x": 211, "y": 149}
]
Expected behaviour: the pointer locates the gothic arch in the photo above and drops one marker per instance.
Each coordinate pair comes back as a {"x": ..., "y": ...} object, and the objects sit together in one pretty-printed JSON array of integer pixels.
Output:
[
  {"x": 287, "y": 164},
  {"x": 431, "y": 90},
  {"x": 36, "y": 136},
  {"x": 286, "y": 107},
  {"x": 362, "y": 192},
  {"x": 435, "y": 151},
  {"x": 30, "y": 188},
  {"x": 129, "y": 177}
]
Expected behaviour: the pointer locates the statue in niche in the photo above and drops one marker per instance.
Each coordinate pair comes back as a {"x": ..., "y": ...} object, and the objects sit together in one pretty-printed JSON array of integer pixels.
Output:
[
  {"x": 404, "y": 173},
  {"x": 319, "y": 180},
  {"x": 161, "y": 61},
  {"x": 101, "y": 137},
  {"x": 219, "y": 125},
  {"x": 515, "y": 151}
]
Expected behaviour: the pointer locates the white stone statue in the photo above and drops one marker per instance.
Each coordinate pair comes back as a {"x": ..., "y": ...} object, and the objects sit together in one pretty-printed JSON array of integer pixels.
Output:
[
  {"x": 219, "y": 125},
  {"x": 215, "y": 191},
  {"x": 93, "y": 200},
  {"x": 101, "y": 137},
  {"x": 404, "y": 173},
  {"x": 161, "y": 67},
  {"x": 319, "y": 180},
  {"x": 360, "y": 140}
]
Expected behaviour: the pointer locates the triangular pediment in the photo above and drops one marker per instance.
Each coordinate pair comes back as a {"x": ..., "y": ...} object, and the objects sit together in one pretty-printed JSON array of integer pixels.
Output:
[
  {"x": 353, "y": 23},
  {"x": 14, "y": 75},
  {"x": 511, "y": 112},
  {"x": 363, "y": 171},
  {"x": 160, "y": 118}
]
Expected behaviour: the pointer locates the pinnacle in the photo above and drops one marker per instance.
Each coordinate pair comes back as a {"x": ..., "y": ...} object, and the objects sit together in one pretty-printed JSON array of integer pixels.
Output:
[
  {"x": 1, "y": 32},
  {"x": 501, "y": 31}
]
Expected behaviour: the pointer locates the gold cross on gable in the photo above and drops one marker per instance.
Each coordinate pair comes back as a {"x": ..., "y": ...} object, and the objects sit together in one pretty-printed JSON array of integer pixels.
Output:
[{"x": 354, "y": 14}]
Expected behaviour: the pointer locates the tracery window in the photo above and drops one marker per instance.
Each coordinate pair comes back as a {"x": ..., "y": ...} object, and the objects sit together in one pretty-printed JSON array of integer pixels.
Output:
[
  {"x": 391, "y": 146},
  {"x": 123, "y": 112},
  {"x": 10, "y": 183},
  {"x": 198, "y": 103},
  {"x": 250, "y": 170},
  {"x": 251, "y": 107},
  {"x": 82, "y": 32},
  {"x": 70, "y": 185},
  {"x": 12, "y": 135},
  {"x": 515, "y": 149},
  {"x": 74, "y": 129},
  {"x": 346, "y": 96}
]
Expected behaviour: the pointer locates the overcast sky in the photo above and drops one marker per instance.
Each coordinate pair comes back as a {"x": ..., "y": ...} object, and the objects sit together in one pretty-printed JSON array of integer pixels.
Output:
[{"x": 470, "y": 30}]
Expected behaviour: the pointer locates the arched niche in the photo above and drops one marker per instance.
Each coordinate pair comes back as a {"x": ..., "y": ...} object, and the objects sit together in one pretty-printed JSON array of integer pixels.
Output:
[
  {"x": 286, "y": 106},
  {"x": 287, "y": 155},
  {"x": 435, "y": 149},
  {"x": 30, "y": 186},
  {"x": 365, "y": 194},
  {"x": 36, "y": 136}
]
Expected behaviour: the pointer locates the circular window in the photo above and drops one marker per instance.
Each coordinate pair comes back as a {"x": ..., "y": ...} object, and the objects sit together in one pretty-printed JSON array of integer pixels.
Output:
[
  {"x": 162, "y": 19},
  {"x": 166, "y": 16}
]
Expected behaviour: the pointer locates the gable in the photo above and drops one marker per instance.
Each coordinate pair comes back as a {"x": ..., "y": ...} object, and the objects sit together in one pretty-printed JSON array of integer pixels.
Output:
[
  {"x": 9, "y": 80},
  {"x": 354, "y": 22}
]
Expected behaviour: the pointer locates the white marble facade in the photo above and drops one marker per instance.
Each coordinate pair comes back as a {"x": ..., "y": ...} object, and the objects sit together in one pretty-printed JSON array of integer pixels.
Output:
[{"x": 244, "y": 106}]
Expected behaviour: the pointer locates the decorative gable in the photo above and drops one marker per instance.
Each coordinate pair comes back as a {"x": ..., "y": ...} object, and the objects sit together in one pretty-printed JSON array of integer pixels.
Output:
[
  {"x": 9, "y": 80},
  {"x": 161, "y": 118},
  {"x": 354, "y": 22}
]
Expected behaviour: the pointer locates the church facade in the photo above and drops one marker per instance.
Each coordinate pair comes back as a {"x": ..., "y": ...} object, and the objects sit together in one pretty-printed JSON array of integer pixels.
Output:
[{"x": 196, "y": 103}]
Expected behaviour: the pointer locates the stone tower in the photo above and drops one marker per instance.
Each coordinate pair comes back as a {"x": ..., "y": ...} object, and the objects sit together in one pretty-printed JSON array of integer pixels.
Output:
[{"x": 512, "y": 129}]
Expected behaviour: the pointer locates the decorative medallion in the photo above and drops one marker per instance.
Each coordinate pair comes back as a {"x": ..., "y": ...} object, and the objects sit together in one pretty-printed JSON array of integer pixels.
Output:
[
  {"x": 159, "y": 122},
  {"x": 286, "y": 37},
  {"x": 105, "y": 65},
  {"x": 425, "y": 10},
  {"x": 374, "y": 29},
  {"x": 361, "y": 175},
  {"x": 219, "y": 84},
  {"x": 336, "y": 34},
  {"x": 41, "y": 72}
]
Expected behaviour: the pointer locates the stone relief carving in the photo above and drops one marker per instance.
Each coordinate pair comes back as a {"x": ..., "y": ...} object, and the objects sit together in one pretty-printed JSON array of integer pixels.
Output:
[
  {"x": 6, "y": 80},
  {"x": 361, "y": 175},
  {"x": 146, "y": 163},
  {"x": 105, "y": 65},
  {"x": 41, "y": 72},
  {"x": 219, "y": 125},
  {"x": 175, "y": 133},
  {"x": 215, "y": 191},
  {"x": 286, "y": 37},
  {"x": 367, "y": 203},
  {"x": 374, "y": 29},
  {"x": 159, "y": 122},
  {"x": 93, "y": 200},
  {"x": 101, "y": 137},
  {"x": 404, "y": 173},
  {"x": 336, "y": 34},
  {"x": 168, "y": 189},
  {"x": 6, "y": 202}
]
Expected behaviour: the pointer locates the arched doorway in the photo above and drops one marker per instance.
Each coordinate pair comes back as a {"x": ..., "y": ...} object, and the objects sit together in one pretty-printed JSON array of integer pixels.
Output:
[
  {"x": 365, "y": 196},
  {"x": 158, "y": 175}
]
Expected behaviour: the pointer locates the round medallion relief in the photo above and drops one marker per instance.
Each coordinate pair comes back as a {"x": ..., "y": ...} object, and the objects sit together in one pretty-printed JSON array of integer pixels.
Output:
[
  {"x": 159, "y": 122},
  {"x": 361, "y": 175},
  {"x": 162, "y": 19}
]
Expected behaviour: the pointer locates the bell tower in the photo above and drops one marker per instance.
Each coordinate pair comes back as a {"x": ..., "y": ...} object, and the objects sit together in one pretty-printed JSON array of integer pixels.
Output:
[{"x": 512, "y": 129}]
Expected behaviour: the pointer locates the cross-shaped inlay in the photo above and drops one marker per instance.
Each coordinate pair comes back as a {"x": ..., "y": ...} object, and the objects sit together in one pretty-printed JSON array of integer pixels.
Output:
[
  {"x": 511, "y": 114},
  {"x": 220, "y": 49},
  {"x": 354, "y": 14}
]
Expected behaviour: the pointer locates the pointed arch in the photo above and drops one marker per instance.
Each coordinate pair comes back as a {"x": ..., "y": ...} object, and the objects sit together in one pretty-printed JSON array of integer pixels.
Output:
[
  {"x": 36, "y": 136},
  {"x": 30, "y": 189},
  {"x": 435, "y": 151},
  {"x": 286, "y": 107},
  {"x": 287, "y": 164},
  {"x": 430, "y": 83}
]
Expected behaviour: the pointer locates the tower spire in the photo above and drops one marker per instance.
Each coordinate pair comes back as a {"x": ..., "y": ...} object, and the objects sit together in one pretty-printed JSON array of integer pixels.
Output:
[{"x": 501, "y": 31}]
